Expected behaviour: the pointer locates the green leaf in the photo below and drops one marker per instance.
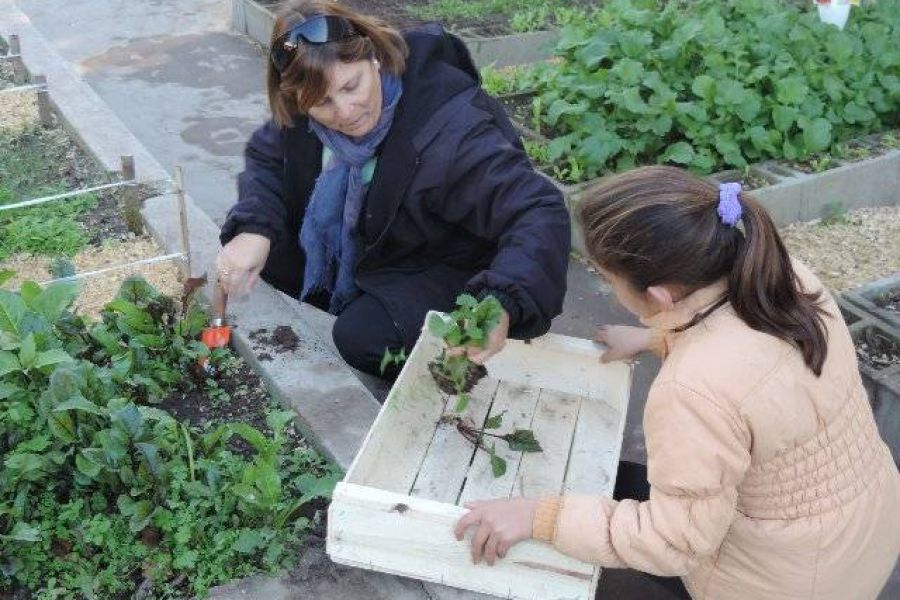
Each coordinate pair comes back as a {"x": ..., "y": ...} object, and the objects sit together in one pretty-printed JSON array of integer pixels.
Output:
[
  {"x": 62, "y": 426},
  {"x": 252, "y": 436},
  {"x": 86, "y": 466},
  {"x": 28, "y": 352},
  {"x": 54, "y": 299},
  {"x": 495, "y": 421},
  {"x": 246, "y": 493},
  {"x": 679, "y": 152},
  {"x": 8, "y": 363},
  {"x": 560, "y": 107},
  {"x": 129, "y": 417},
  {"x": 498, "y": 464},
  {"x": 135, "y": 289},
  {"x": 6, "y": 275},
  {"x": 249, "y": 541},
  {"x": 462, "y": 402},
  {"x": 784, "y": 117},
  {"x": 12, "y": 309},
  {"x": 466, "y": 301},
  {"x": 79, "y": 403},
  {"x": 855, "y": 113},
  {"x": 817, "y": 135},
  {"x": 438, "y": 325},
  {"x": 23, "y": 532},
  {"x": 51, "y": 357},
  {"x": 522, "y": 440},
  {"x": 791, "y": 90},
  {"x": 704, "y": 86},
  {"x": 277, "y": 420}
]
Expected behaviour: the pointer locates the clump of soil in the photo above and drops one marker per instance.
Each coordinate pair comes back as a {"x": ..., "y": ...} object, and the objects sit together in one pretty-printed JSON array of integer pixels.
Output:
[
  {"x": 877, "y": 350},
  {"x": 890, "y": 300},
  {"x": 474, "y": 374},
  {"x": 281, "y": 340}
]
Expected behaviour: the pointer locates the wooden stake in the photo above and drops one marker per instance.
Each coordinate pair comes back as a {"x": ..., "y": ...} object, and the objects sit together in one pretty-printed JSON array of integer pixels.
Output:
[
  {"x": 182, "y": 213},
  {"x": 131, "y": 210},
  {"x": 20, "y": 74},
  {"x": 45, "y": 113}
]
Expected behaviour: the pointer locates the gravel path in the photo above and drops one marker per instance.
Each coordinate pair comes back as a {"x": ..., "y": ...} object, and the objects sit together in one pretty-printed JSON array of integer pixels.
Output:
[{"x": 864, "y": 245}]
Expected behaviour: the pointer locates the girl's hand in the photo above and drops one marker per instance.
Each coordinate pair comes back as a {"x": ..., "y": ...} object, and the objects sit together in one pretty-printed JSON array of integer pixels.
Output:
[
  {"x": 500, "y": 524},
  {"x": 495, "y": 342},
  {"x": 623, "y": 341},
  {"x": 240, "y": 262}
]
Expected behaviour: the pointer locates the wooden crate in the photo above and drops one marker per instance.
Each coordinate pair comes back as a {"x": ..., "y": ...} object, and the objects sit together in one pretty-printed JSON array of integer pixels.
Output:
[{"x": 396, "y": 508}]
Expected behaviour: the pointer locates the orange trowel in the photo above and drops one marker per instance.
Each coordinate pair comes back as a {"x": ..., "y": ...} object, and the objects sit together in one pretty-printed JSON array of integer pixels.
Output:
[{"x": 218, "y": 333}]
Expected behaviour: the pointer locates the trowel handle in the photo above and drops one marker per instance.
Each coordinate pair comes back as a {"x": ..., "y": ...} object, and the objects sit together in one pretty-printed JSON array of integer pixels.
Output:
[{"x": 219, "y": 303}]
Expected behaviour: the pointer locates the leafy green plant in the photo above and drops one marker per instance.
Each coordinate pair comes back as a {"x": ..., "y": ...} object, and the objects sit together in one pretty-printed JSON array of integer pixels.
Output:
[
  {"x": 100, "y": 491},
  {"x": 711, "y": 84},
  {"x": 468, "y": 325},
  {"x": 392, "y": 359}
]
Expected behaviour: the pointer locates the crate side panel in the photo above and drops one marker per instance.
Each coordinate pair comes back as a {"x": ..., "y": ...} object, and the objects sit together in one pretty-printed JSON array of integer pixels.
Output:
[
  {"x": 517, "y": 403},
  {"x": 393, "y": 451},
  {"x": 413, "y": 537},
  {"x": 561, "y": 363},
  {"x": 448, "y": 458},
  {"x": 543, "y": 473}
]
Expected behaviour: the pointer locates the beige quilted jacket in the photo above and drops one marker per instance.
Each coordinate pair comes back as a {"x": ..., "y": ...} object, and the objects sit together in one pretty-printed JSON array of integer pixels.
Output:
[{"x": 766, "y": 481}]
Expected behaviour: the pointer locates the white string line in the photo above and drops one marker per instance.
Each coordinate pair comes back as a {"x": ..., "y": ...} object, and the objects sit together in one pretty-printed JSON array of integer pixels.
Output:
[
  {"x": 146, "y": 261},
  {"x": 65, "y": 195}
]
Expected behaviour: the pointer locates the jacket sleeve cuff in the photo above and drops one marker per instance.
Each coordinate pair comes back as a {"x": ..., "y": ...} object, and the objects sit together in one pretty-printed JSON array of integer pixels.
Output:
[
  {"x": 543, "y": 527},
  {"x": 658, "y": 344},
  {"x": 583, "y": 532},
  {"x": 511, "y": 307}
]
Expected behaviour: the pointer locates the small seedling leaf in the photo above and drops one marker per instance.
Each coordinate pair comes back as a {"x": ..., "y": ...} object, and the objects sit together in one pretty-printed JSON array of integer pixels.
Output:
[
  {"x": 495, "y": 421},
  {"x": 522, "y": 440},
  {"x": 498, "y": 464},
  {"x": 462, "y": 402}
]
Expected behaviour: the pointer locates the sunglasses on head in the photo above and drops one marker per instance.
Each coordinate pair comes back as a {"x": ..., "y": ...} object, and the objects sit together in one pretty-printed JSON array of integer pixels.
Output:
[{"x": 320, "y": 29}]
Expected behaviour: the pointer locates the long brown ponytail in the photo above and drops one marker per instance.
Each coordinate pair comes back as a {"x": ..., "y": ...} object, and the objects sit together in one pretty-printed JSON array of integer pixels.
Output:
[{"x": 659, "y": 225}]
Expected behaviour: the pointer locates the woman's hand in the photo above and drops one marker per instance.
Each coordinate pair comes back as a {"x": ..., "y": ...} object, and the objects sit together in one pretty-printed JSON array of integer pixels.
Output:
[
  {"x": 495, "y": 342},
  {"x": 240, "y": 262},
  {"x": 623, "y": 341},
  {"x": 500, "y": 524}
]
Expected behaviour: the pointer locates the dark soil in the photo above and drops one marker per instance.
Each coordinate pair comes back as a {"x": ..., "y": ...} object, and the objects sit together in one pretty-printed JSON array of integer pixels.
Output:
[
  {"x": 474, "y": 374},
  {"x": 886, "y": 142},
  {"x": 518, "y": 107},
  {"x": 402, "y": 15},
  {"x": 748, "y": 181},
  {"x": 281, "y": 340},
  {"x": 877, "y": 350},
  {"x": 236, "y": 395},
  {"x": 889, "y": 300}
]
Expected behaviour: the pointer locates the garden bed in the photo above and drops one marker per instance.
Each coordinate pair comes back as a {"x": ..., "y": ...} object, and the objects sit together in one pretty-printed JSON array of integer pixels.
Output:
[
  {"x": 849, "y": 249},
  {"x": 193, "y": 499},
  {"x": 880, "y": 298},
  {"x": 69, "y": 236},
  {"x": 502, "y": 32}
]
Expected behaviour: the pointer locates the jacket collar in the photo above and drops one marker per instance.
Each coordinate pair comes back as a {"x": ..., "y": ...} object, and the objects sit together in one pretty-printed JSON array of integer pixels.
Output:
[{"x": 688, "y": 307}]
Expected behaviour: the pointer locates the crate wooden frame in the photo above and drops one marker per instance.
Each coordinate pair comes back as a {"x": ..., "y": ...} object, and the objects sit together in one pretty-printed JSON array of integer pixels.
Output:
[{"x": 396, "y": 507}]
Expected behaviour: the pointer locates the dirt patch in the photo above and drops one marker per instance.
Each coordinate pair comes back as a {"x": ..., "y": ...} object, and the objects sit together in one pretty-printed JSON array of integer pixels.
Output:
[
  {"x": 234, "y": 394},
  {"x": 97, "y": 290},
  {"x": 858, "y": 247},
  {"x": 18, "y": 108},
  {"x": 877, "y": 350},
  {"x": 282, "y": 339}
]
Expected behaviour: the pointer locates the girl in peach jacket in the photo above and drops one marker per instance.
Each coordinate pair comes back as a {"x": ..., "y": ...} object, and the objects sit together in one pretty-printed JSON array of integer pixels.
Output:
[{"x": 767, "y": 475}]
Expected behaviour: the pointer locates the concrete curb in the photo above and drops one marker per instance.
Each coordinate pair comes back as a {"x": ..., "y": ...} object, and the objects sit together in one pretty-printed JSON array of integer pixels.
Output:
[
  {"x": 864, "y": 297},
  {"x": 255, "y": 21},
  {"x": 882, "y": 385},
  {"x": 796, "y": 197}
]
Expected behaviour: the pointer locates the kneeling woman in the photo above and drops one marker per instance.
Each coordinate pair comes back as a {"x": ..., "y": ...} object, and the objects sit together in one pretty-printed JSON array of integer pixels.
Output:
[{"x": 387, "y": 183}]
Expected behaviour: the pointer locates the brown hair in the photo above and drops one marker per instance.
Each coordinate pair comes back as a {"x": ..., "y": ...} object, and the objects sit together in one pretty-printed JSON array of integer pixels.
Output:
[
  {"x": 660, "y": 225},
  {"x": 305, "y": 80}
]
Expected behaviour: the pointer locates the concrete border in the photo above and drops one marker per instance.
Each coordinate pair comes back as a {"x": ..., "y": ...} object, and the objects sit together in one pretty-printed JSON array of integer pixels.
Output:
[
  {"x": 864, "y": 297},
  {"x": 882, "y": 385},
  {"x": 254, "y": 20},
  {"x": 335, "y": 409}
]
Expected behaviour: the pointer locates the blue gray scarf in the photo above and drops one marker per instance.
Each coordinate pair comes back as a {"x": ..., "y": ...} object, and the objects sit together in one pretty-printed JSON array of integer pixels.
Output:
[{"x": 329, "y": 235}]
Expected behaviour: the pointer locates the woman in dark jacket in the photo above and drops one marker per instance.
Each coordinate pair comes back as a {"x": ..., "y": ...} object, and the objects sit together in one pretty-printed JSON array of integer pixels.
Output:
[{"x": 387, "y": 183}]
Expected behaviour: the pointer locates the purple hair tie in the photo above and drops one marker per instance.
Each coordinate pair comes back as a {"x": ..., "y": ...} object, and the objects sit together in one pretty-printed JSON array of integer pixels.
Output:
[{"x": 730, "y": 203}]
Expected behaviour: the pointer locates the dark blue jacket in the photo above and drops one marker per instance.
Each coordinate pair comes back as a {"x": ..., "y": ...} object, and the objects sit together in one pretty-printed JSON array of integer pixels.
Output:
[{"x": 454, "y": 204}]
